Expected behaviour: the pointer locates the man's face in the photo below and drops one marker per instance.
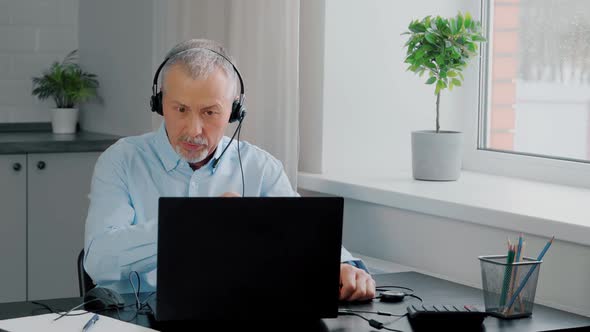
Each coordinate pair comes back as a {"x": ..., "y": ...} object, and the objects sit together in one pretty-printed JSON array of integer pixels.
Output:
[{"x": 196, "y": 112}]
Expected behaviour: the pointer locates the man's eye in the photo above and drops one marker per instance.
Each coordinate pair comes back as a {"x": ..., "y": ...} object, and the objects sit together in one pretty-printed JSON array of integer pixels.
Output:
[
  {"x": 209, "y": 112},
  {"x": 181, "y": 109}
]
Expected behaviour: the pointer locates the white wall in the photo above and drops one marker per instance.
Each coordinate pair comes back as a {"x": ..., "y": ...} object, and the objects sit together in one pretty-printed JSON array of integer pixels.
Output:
[
  {"x": 116, "y": 43},
  {"x": 33, "y": 34},
  {"x": 371, "y": 104}
]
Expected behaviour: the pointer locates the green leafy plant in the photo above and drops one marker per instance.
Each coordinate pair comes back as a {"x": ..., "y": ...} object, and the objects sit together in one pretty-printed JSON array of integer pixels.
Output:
[
  {"x": 66, "y": 83},
  {"x": 442, "y": 47}
]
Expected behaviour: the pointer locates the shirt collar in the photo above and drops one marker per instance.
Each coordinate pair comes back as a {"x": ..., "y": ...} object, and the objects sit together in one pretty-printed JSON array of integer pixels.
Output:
[
  {"x": 170, "y": 157},
  {"x": 165, "y": 151}
]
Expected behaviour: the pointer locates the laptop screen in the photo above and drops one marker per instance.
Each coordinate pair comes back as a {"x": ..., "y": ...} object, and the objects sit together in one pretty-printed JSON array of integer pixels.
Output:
[{"x": 248, "y": 258}]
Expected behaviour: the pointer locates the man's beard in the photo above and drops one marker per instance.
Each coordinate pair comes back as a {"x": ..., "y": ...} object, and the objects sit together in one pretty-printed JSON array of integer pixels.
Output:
[{"x": 196, "y": 140}]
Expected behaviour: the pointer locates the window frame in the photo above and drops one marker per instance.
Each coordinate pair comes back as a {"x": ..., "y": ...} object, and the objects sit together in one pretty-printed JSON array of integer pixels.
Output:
[{"x": 506, "y": 163}]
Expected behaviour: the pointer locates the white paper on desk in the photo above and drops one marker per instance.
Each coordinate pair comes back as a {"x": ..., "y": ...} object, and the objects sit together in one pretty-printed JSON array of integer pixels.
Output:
[{"x": 68, "y": 324}]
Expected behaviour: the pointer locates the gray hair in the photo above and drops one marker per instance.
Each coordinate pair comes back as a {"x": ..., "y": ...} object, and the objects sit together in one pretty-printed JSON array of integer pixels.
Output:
[{"x": 199, "y": 62}]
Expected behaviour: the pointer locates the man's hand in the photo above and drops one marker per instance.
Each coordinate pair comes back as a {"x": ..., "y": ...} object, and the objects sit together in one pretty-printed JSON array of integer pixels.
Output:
[
  {"x": 230, "y": 194},
  {"x": 355, "y": 284}
]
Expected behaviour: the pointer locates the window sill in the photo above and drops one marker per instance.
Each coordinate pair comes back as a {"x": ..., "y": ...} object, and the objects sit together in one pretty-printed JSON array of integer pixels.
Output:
[{"x": 496, "y": 201}]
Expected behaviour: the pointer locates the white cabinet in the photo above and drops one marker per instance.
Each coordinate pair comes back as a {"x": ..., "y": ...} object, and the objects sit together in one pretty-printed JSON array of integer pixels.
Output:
[
  {"x": 13, "y": 228},
  {"x": 47, "y": 202}
]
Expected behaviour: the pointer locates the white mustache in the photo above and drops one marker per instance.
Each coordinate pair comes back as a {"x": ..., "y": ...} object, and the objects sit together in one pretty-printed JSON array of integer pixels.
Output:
[{"x": 195, "y": 140}]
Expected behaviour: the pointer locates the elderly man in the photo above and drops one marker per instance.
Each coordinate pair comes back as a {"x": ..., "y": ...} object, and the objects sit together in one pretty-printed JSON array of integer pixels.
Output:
[{"x": 187, "y": 156}]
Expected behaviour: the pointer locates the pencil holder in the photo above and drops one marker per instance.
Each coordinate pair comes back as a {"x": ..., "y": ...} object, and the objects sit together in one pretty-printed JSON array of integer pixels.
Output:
[{"x": 509, "y": 289}]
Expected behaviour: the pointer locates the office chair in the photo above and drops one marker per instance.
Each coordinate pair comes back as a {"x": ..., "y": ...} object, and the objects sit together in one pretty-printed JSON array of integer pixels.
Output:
[{"x": 85, "y": 283}]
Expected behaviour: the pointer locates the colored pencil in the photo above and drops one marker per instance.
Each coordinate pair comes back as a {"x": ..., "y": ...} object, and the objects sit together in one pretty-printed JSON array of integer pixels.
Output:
[
  {"x": 507, "y": 274},
  {"x": 528, "y": 275}
]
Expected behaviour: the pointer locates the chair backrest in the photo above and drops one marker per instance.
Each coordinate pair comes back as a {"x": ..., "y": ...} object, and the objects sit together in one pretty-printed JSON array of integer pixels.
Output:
[{"x": 85, "y": 283}]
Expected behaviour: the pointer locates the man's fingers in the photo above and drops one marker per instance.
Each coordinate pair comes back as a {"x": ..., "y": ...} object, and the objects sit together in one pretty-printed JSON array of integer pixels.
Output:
[
  {"x": 357, "y": 285},
  {"x": 230, "y": 194},
  {"x": 370, "y": 289},
  {"x": 361, "y": 288},
  {"x": 347, "y": 281}
]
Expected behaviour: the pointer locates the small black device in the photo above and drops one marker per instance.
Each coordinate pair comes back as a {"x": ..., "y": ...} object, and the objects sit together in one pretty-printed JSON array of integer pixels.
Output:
[
  {"x": 446, "y": 317},
  {"x": 238, "y": 111},
  {"x": 248, "y": 258},
  {"x": 100, "y": 298},
  {"x": 392, "y": 296}
]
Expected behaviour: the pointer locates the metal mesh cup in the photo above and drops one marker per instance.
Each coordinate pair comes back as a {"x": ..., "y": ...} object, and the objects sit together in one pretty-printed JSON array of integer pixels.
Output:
[{"x": 509, "y": 289}]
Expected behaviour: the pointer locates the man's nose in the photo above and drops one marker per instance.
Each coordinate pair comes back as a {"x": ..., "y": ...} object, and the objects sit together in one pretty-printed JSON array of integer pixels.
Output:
[{"x": 195, "y": 125}]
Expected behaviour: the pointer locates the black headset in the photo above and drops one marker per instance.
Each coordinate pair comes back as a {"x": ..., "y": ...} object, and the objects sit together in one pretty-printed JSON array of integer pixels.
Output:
[{"x": 238, "y": 111}]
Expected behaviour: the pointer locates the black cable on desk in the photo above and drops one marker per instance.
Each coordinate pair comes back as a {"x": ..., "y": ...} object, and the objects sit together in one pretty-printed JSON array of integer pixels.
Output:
[
  {"x": 385, "y": 287},
  {"x": 139, "y": 306},
  {"x": 381, "y": 288},
  {"x": 67, "y": 313},
  {"x": 141, "y": 310},
  {"x": 380, "y": 313},
  {"x": 135, "y": 292},
  {"x": 64, "y": 313},
  {"x": 415, "y": 296},
  {"x": 372, "y": 322}
]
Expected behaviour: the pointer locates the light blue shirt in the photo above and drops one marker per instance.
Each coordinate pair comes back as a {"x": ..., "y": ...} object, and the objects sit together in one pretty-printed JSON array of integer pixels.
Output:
[{"x": 130, "y": 176}]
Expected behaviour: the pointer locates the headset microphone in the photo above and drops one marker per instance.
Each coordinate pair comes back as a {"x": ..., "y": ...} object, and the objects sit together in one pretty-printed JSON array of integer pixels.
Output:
[{"x": 216, "y": 160}]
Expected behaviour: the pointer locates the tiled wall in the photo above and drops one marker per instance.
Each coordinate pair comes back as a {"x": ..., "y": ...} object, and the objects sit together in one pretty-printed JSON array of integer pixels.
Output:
[{"x": 33, "y": 34}]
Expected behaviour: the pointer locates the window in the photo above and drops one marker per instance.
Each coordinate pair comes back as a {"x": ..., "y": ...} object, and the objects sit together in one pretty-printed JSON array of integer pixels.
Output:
[
  {"x": 535, "y": 89},
  {"x": 539, "y": 91}
]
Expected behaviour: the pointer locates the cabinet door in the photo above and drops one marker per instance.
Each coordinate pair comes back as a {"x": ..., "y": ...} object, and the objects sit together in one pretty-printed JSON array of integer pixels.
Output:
[
  {"x": 58, "y": 187},
  {"x": 13, "y": 228}
]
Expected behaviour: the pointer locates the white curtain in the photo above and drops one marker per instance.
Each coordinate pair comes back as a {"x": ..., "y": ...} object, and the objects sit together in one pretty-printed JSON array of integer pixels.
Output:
[{"x": 263, "y": 38}]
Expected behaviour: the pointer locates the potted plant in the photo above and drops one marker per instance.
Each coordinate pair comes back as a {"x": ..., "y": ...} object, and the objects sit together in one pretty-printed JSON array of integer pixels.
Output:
[
  {"x": 442, "y": 48},
  {"x": 68, "y": 85}
]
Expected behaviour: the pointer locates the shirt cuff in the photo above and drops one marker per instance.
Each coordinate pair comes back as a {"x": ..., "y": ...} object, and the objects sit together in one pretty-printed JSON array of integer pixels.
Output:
[{"x": 358, "y": 264}]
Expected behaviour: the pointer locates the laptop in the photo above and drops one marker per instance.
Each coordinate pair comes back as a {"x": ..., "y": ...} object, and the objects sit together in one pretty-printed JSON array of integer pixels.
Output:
[{"x": 248, "y": 258}]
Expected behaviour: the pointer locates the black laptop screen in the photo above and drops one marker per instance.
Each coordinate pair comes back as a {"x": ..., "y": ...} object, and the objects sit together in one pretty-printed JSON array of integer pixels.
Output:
[{"x": 243, "y": 258}]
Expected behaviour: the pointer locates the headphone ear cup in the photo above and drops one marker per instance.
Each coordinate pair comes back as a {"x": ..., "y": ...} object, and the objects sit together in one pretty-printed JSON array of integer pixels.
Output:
[
  {"x": 156, "y": 103},
  {"x": 236, "y": 111}
]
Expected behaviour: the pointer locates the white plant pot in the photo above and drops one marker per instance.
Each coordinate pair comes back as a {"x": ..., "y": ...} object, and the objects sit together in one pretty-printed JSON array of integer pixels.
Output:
[
  {"x": 437, "y": 156},
  {"x": 64, "y": 120}
]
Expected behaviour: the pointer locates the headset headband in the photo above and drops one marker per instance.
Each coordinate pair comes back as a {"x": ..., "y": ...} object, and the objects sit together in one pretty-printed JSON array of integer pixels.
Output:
[{"x": 155, "y": 82}]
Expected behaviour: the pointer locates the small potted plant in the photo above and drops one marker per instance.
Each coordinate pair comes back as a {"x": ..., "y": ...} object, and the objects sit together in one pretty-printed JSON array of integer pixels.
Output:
[
  {"x": 442, "y": 48},
  {"x": 69, "y": 86}
]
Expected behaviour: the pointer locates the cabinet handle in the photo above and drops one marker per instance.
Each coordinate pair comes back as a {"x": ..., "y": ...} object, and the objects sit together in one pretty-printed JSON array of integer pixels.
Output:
[
  {"x": 41, "y": 165},
  {"x": 17, "y": 166}
]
